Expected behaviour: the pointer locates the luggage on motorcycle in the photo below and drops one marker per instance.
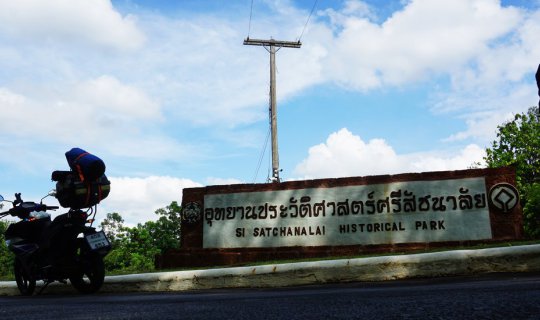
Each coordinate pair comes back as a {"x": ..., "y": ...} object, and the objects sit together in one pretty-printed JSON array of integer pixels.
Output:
[
  {"x": 74, "y": 193},
  {"x": 86, "y": 165},
  {"x": 60, "y": 175}
]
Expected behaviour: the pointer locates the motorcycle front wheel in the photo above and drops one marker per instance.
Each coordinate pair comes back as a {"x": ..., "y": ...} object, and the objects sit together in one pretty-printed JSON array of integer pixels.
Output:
[
  {"x": 90, "y": 275},
  {"x": 25, "y": 282}
]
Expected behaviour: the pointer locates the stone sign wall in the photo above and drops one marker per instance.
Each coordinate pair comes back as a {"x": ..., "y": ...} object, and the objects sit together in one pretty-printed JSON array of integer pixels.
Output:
[{"x": 239, "y": 223}]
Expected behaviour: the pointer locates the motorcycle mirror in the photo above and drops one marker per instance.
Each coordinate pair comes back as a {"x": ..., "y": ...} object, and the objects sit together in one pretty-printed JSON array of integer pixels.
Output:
[{"x": 51, "y": 193}]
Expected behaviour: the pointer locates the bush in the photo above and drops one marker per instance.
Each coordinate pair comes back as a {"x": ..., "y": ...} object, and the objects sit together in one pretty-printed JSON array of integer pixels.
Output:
[
  {"x": 134, "y": 249},
  {"x": 6, "y": 256},
  {"x": 531, "y": 212},
  {"x": 518, "y": 145}
]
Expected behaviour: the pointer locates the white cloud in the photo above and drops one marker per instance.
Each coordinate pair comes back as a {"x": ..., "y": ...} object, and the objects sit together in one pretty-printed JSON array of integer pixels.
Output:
[
  {"x": 426, "y": 37},
  {"x": 195, "y": 72},
  {"x": 93, "y": 22},
  {"x": 344, "y": 154},
  {"x": 109, "y": 95},
  {"x": 497, "y": 85},
  {"x": 487, "y": 51},
  {"x": 137, "y": 199},
  {"x": 118, "y": 121},
  {"x": 463, "y": 159},
  {"x": 222, "y": 181},
  {"x": 93, "y": 109},
  {"x": 482, "y": 112}
]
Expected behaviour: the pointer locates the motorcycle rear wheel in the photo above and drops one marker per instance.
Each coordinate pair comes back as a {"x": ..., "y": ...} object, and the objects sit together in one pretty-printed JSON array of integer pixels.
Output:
[{"x": 25, "y": 282}]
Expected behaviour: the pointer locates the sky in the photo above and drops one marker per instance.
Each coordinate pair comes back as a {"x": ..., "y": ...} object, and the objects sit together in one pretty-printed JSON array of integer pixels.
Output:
[{"x": 168, "y": 96}]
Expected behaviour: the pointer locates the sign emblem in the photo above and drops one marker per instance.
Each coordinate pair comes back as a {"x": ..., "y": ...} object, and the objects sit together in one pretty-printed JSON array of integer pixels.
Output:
[
  {"x": 504, "y": 197},
  {"x": 191, "y": 212}
]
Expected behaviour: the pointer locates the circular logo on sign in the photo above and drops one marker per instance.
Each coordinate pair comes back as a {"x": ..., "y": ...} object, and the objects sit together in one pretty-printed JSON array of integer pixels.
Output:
[
  {"x": 191, "y": 212},
  {"x": 504, "y": 197}
]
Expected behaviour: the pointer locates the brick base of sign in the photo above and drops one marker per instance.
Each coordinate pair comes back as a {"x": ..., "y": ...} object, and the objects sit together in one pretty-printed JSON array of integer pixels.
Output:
[
  {"x": 502, "y": 225},
  {"x": 194, "y": 258}
]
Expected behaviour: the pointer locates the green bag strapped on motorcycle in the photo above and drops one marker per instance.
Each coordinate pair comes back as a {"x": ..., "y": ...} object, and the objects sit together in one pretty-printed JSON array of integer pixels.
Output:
[{"x": 73, "y": 193}]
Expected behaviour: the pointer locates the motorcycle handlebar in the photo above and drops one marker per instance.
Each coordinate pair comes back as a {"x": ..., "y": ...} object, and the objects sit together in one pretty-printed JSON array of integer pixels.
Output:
[{"x": 24, "y": 209}]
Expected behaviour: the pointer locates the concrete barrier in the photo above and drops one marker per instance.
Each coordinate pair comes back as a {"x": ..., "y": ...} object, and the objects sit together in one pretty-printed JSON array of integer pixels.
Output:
[{"x": 449, "y": 263}]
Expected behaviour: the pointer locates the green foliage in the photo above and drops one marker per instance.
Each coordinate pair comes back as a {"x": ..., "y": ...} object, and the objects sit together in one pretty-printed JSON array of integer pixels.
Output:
[
  {"x": 531, "y": 212},
  {"x": 6, "y": 256},
  {"x": 166, "y": 230},
  {"x": 112, "y": 226},
  {"x": 134, "y": 249},
  {"x": 518, "y": 145}
]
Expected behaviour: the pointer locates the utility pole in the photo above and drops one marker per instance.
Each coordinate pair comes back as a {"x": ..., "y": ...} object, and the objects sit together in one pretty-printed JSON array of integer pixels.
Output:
[{"x": 270, "y": 46}]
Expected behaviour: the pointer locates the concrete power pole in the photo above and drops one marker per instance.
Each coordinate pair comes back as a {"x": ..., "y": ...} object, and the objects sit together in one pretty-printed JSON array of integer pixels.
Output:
[{"x": 270, "y": 46}]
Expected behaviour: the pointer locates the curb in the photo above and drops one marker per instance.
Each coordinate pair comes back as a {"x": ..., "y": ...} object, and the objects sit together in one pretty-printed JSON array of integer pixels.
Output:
[{"x": 440, "y": 264}]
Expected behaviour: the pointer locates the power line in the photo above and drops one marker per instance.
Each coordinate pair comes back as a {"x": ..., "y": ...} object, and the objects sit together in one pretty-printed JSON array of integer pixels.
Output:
[
  {"x": 305, "y": 25},
  {"x": 250, "y": 14},
  {"x": 261, "y": 157},
  {"x": 309, "y": 17}
]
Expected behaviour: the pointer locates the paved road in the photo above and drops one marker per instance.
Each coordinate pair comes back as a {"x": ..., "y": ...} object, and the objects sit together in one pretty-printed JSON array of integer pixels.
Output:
[{"x": 506, "y": 296}]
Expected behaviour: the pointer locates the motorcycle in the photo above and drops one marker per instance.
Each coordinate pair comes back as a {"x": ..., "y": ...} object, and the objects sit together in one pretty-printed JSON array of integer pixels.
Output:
[{"x": 58, "y": 250}]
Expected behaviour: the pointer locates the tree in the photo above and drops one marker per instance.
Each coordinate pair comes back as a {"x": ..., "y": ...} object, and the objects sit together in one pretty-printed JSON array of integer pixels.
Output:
[
  {"x": 531, "y": 211},
  {"x": 113, "y": 226},
  {"x": 166, "y": 230},
  {"x": 134, "y": 249},
  {"x": 518, "y": 145},
  {"x": 6, "y": 256}
]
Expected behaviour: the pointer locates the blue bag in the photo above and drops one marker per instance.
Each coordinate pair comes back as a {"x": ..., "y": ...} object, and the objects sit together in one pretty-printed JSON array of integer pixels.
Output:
[{"x": 87, "y": 166}]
